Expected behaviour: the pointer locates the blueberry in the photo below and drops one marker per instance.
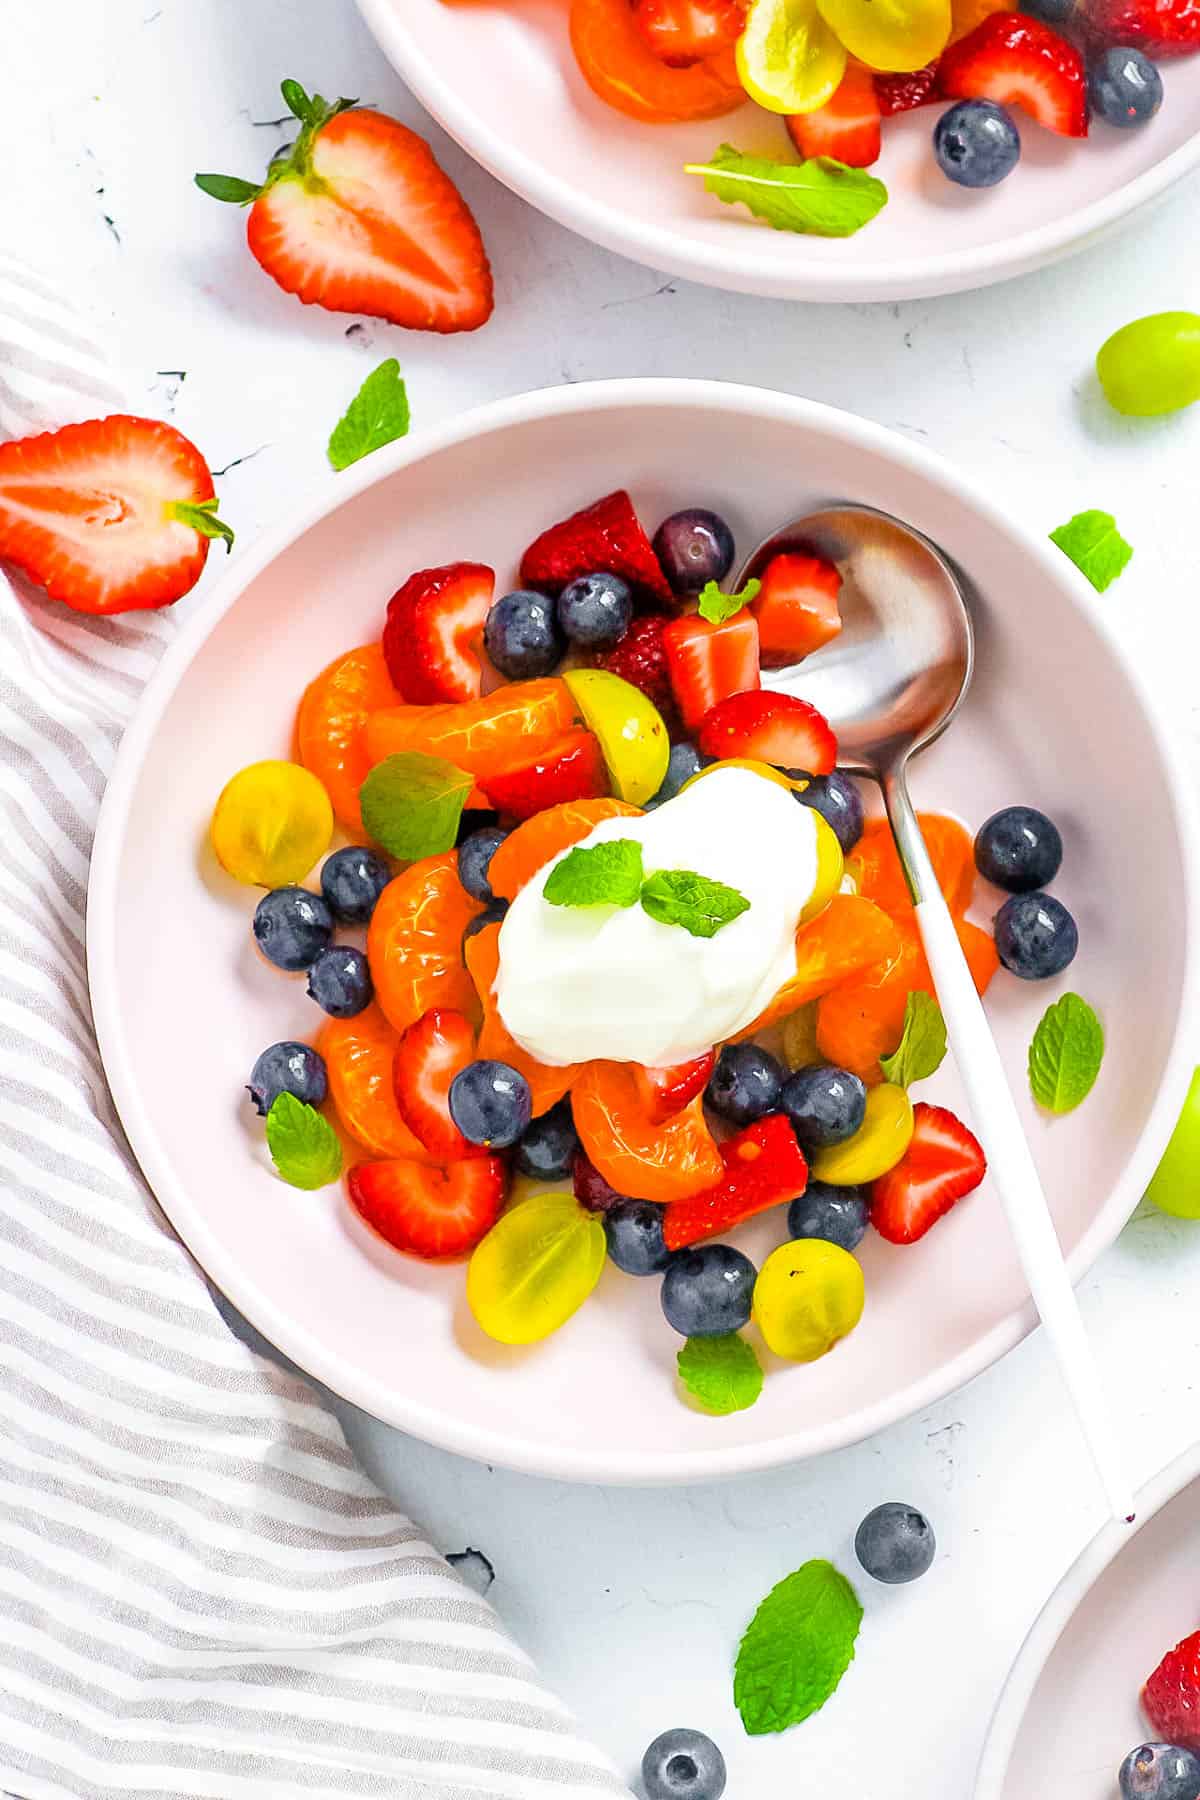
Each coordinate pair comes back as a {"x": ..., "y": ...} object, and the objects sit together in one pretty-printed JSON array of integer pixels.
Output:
[
  {"x": 1059, "y": 13},
  {"x": 521, "y": 635},
  {"x": 287, "y": 1068},
  {"x": 1160, "y": 1772},
  {"x": 634, "y": 1229},
  {"x": 593, "y": 1193},
  {"x": 826, "y": 1105},
  {"x": 491, "y": 1104},
  {"x": 683, "y": 1765},
  {"x": 340, "y": 981},
  {"x": 594, "y": 610},
  {"x": 292, "y": 927},
  {"x": 976, "y": 143},
  {"x": 1019, "y": 849},
  {"x": 837, "y": 799},
  {"x": 684, "y": 762},
  {"x": 745, "y": 1084},
  {"x": 1036, "y": 937},
  {"x": 475, "y": 855},
  {"x": 352, "y": 881},
  {"x": 492, "y": 914},
  {"x": 547, "y": 1150},
  {"x": 707, "y": 1291},
  {"x": 895, "y": 1543},
  {"x": 837, "y": 1214},
  {"x": 1124, "y": 87},
  {"x": 694, "y": 546}
]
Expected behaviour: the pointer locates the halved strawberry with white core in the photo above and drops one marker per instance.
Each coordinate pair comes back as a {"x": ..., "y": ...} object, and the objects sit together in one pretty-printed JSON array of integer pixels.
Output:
[
  {"x": 797, "y": 605},
  {"x": 666, "y": 1091},
  {"x": 428, "y": 1057},
  {"x": 112, "y": 515},
  {"x": 847, "y": 127},
  {"x": 773, "y": 728},
  {"x": 1018, "y": 61},
  {"x": 681, "y": 32},
  {"x": 429, "y": 1212},
  {"x": 709, "y": 661},
  {"x": 359, "y": 218},
  {"x": 605, "y": 537},
  {"x": 433, "y": 638},
  {"x": 943, "y": 1162}
]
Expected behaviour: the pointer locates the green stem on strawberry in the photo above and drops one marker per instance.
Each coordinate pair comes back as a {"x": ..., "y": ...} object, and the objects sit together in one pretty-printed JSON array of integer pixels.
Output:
[
  {"x": 201, "y": 515},
  {"x": 314, "y": 112}
]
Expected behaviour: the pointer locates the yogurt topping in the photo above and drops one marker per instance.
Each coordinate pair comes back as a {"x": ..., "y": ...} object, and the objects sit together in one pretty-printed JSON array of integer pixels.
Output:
[{"x": 598, "y": 981}]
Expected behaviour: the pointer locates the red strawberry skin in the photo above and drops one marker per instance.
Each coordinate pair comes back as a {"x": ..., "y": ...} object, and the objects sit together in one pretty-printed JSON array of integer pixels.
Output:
[
  {"x": 764, "y": 1166},
  {"x": 1019, "y": 61},
  {"x": 847, "y": 127},
  {"x": 667, "y": 1091},
  {"x": 429, "y": 1055},
  {"x": 943, "y": 1162},
  {"x": 641, "y": 658},
  {"x": 570, "y": 768},
  {"x": 432, "y": 1213},
  {"x": 903, "y": 92},
  {"x": 796, "y": 607},
  {"x": 1171, "y": 1697},
  {"x": 432, "y": 641},
  {"x": 1160, "y": 28},
  {"x": 605, "y": 536},
  {"x": 709, "y": 662},
  {"x": 767, "y": 727}
]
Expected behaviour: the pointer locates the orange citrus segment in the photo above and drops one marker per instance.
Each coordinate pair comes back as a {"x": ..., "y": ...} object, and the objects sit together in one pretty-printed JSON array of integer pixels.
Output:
[
  {"x": 619, "y": 66},
  {"x": 415, "y": 942},
  {"x": 485, "y": 736},
  {"x": 668, "y": 1160},
  {"x": 851, "y": 935},
  {"x": 359, "y": 1054},
  {"x": 329, "y": 726},
  {"x": 875, "y": 865},
  {"x": 532, "y": 845},
  {"x": 547, "y": 1083}
]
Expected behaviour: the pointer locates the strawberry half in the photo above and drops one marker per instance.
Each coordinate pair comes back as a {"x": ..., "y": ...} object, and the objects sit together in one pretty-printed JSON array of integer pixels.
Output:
[
  {"x": 797, "y": 605},
  {"x": 847, "y": 127},
  {"x": 1159, "y": 28},
  {"x": 681, "y": 32},
  {"x": 943, "y": 1162},
  {"x": 1018, "y": 61},
  {"x": 114, "y": 515},
  {"x": 666, "y": 1091},
  {"x": 764, "y": 1166},
  {"x": 429, "y": 1212},
  {"x": 359, "y": 218},
  {"x": 641, "y": 659},
  {"x": 905, "y": 90},
  {"x": 1171, "y": 1697},
  {"x": 604, "y": 537},
  {"x": 774, "y": 728},
  {"x": 709, "y": 662},
  {"x": 432, "y": 641},
  {"x": 570, "y": 768},
  {"x": 428, "y": 1057}
]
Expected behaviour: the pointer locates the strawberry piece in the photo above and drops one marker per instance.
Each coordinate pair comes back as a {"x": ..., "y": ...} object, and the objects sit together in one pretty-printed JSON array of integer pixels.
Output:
[
  {"x": 943, "y": 1162},
  {"x": 847, "y": 126},
  {"x": 764, "y": 1166},
  {"x": 709, "y": 662},
  {"x": 773, "y": 728},
  {"x": 641, "y": 658},
  {"x": 904, "y": 91},
  {"x": 1159, "y": 28},
  {"x": 1171, "y": 1697},
  {"x": 606, "y": 536},
  {"x": 666, "y": 1091},
  {"x": 797, "y": 605},
  {"x": 434, "y": 632},
  {"x": 1018, "y": 61},
  {"x": 682, "y": 32},
  {"x": 428, "y": 1057},
  {"x": 114, "y": 515},
  {"x": 429, "y": 1212},
  {"x": 570, "y": 768}
]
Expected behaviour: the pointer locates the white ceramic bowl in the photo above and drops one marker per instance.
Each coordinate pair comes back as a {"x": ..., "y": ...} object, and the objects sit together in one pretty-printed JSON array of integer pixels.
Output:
[
  {"x": 183, "y": 1004},
  {"x": 1069, "y": 1711},
  {"x": 499, "y": 75}
]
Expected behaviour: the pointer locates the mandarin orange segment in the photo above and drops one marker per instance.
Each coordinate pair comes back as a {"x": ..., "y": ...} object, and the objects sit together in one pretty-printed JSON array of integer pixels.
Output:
[
  {"x": 875, "y": 865},
  {"x": 532, "y": 845},
  {"x": 359, "y": 1054},
  {"x": 670, "y": 1160},
  {"x": 967, "y": 14},
  {"x": 496, "y": 732},
  {"x": 619, "y": 66},
  {"x": 851, "y": 935},
  {"x": 415, "y": 942},
  {"x": 329, "y": 726},
  {"x": 547, "y": 1082}
]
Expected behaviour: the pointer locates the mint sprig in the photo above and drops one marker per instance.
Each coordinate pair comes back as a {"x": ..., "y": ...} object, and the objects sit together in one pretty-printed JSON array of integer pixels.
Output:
[
  {"x": 377, "y": 415},
  {"x": 412, "y": 803},
  {"x": 605, "y": 874},
  {"x": 716, "y": 606},
  {"x": 681, "y": 897},
  {"x": 1066, "y": 1054},
  {"x": 796, "y": 1649},
  {"x": 922, "y": 1047},
  {"x": 1095, "y": 546},
  {"x": 820, "y": 197},
  {"x": 303, "y": 1144},
  {"x": 722, "y": 1374}
]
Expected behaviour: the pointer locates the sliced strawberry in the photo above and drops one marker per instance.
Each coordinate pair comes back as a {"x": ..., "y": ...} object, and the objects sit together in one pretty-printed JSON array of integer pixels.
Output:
[
  {"x": 667, "y": 1091},
  {"x": 604, "y": 536},
  {"x": 904, "y": 91},
  {"x": 109, "y": 516},
  {"x": 428, "y": 1057},
  {"x": 797, "y": 605},
  {"x": 1018, "y": 61},
  {"x": 1159, "y": 28},
  {"x": 769, "y": 727},
  {"x": 847, "y": 126},
  {"x": 764, "y": 1166},
  {"x": 682, "y": 32},
  {"x": 570, "y": 768},
  {"x": 434, "y": 632},
  {"x": 943, "y": 1162},
  {"x": 708, "y": 662},
  {"x": 1171, "y": 1697},
  {"x": 641, "y": 658},
  {"x": 429, "y": 1212}
]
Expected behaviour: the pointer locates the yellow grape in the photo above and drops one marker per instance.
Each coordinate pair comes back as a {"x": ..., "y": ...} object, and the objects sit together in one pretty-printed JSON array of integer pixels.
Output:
[
  {"x": 536, "y": 1266},
  {"x": 877, "y": 1145},
  {"x": 273, "y": 821},
  {"x": 809, "y": 1295},
  {"x": 890, "y": 34}
]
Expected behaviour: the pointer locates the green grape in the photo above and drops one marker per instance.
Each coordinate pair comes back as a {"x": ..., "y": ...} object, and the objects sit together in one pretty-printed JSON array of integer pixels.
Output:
[
  {"x": 1176, "y": 1184},
  {"x": 1153, "y": 365},
  {"x": 535, "y": 1268},
  {"x": 809, "y": 1295}
]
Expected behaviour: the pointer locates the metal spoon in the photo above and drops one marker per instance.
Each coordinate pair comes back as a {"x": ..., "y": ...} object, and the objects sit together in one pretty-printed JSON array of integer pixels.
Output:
[{"x": 889, "y": 684}]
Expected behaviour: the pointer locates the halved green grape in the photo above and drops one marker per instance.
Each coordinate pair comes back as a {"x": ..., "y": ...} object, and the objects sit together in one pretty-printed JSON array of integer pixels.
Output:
[
  {"x": 788, "y": 58},
  {"x": 1152, "y": 366},
  {"x": 890, "y": 34},
  {"x": 630, "y": 729},
  {"x": 272, "y": 822},
  {"x": 808, "y": 1296},
  {"x": 1175, "y": 1187},
  {"x": 877, "y": 1145},
  {"x": 536, "y": 1266}
]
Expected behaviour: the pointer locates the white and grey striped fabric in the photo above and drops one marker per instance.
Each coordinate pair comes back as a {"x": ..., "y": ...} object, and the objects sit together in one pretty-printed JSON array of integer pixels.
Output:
[{"x": 200, "y": 1595}]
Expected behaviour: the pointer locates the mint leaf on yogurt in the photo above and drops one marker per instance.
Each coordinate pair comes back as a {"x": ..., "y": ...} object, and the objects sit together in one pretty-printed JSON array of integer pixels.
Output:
[
  {"x": 716, "y": 607},
  {"x": 1065, "y": 1055},
  {"x": 796, "y": 1649},
  {"x": 605, "y": 874},
  {"x": 412, "y": 803},
  {"x": 303, "y": 1144},
  {"x": 820, "y": 197},
  {"x": 681, "y": 897}
]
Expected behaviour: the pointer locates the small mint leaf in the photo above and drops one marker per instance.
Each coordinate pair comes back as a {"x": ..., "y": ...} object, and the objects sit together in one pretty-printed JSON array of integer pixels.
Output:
[
  {"x": 1066, "y": 1054},
  {"x": 796, "y": 1649},
  {"x": 412, "y": 803},
  {"x": 1095, "y": 546},
  {"x": 716, "y": 606},
  {"x": 681, "y": 897},
  {"x": 922, "y": 1047},
  {"x": 230, "y": 188},
  {"x": 377, "y": 415},
  {"x": 722, "y": 1374},
  {"x": 821, "y": 197},
  {"x": 605, "y": 874},
  {"x": 201, "y": 515},
  {"x": 303, "y": 1144}
]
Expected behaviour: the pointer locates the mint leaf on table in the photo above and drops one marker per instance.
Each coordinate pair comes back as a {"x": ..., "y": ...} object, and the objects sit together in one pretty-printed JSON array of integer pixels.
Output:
[
  {"x": 412, "y": 803},
  {"x": 607, "y": 874},
  {"x": 922, "y": 1047},
  {"x": 377, "y": 415},
  {"x": 716, "y": 607},
  {"x": 1065, "y": 1055},
  {"x": 701, "y": 906},
  {"x": 1095, "y": 546},
  {"x": 796, "y": 1649},
  {"x": 721, "y": 1373},
  {"x": 303, "y": 1144},
  {"x": 820, "y": 197}
]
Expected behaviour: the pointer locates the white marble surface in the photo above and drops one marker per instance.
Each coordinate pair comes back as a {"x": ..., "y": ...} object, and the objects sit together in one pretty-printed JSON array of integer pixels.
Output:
[{"x": 633, "y": 1601}]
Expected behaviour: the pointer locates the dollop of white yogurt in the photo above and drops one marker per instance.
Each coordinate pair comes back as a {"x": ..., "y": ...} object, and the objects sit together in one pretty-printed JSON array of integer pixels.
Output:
[{"x": 582, "y": 981}]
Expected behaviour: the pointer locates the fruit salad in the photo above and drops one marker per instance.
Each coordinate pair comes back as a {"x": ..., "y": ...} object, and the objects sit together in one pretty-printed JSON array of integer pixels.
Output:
[
  {"x": 609, "y": 958},
  {"x": 1168, "y": 1767}
]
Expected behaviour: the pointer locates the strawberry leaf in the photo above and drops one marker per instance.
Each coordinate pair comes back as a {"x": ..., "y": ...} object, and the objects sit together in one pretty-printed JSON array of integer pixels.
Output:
[
  {"x": 820, "y": 197},
  {"x": 201, "y": 515},
  {"x": 412, "y": 803},
  {"x": 296, "y": 100},
  {"x": 377, "y": 415},
  {"x": 230, "y": 188}
]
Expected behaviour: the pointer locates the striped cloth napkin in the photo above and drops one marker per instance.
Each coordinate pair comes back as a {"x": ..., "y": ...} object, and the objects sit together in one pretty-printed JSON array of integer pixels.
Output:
[{"x": 200, "y": 1595}]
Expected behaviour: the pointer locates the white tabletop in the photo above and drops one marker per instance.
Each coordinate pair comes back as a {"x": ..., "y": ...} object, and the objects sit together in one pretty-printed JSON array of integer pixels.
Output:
[{"x": 633, "y": 1602}]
